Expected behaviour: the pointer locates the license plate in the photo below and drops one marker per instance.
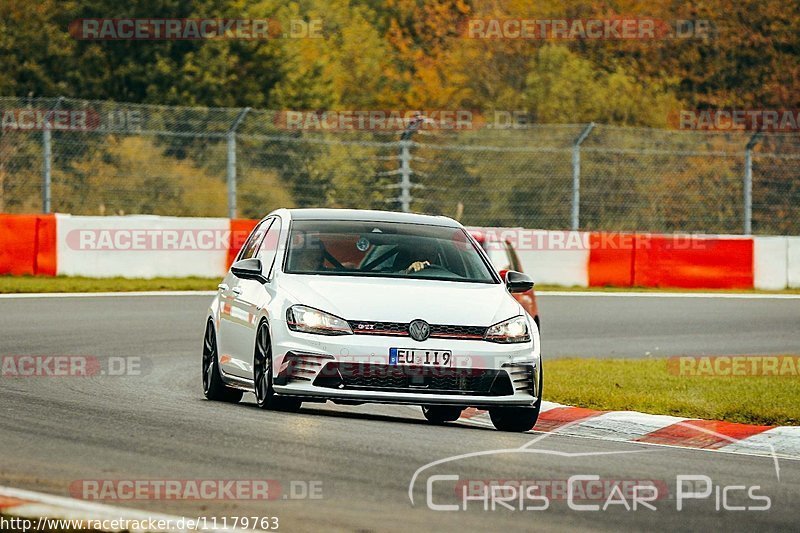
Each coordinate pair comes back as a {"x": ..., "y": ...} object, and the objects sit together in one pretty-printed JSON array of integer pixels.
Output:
[{"x": 404, "y": 356}]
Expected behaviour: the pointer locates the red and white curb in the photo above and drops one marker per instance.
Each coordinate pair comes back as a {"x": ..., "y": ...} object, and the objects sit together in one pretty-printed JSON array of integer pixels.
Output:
[
  {"x": 631, "y": 426},
  {"x": 38, "y": 508}
]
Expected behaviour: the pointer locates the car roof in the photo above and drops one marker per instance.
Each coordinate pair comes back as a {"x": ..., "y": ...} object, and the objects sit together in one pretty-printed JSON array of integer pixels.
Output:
[{"x": 371, "y": 216}]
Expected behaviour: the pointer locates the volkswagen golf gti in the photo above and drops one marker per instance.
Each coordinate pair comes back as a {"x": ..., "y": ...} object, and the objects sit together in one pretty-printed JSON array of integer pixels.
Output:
[{"x": 358, "y": 306}]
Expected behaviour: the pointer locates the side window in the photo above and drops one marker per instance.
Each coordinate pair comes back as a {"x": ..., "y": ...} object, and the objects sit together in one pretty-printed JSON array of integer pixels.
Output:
[
  {"x": 251, "y": 245},
  {"x": 269, "y": 246}
]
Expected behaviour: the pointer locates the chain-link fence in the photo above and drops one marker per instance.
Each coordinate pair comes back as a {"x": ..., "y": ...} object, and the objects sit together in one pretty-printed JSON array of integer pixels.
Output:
[{"x": 96, "y": 157}]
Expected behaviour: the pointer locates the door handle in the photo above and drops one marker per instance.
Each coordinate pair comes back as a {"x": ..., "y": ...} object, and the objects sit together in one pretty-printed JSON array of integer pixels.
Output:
[
  {"x": 223, "y": 287},
  {"x": 237, "y": 291}
]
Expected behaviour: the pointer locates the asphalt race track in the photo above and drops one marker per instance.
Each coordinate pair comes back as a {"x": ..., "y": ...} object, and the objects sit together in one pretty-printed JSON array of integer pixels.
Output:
[
  {"x": 55, "y": 431},
  {"x": 659, "y": 325}
]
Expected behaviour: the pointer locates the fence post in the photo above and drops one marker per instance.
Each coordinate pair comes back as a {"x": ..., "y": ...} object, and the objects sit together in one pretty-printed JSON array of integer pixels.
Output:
[
  {"x": 405, "y": 161},
  {"x": 576, "y": 176},
  {"x": 748, "y": 183},
  {"x": 231, "y": 174},
  {"x": 405, "y": 176},
  {"x": 47, "y": 156}
]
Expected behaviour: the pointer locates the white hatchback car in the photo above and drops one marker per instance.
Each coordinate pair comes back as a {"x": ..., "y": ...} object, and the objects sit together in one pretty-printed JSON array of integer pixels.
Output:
[{"x": 371, "y": 306}]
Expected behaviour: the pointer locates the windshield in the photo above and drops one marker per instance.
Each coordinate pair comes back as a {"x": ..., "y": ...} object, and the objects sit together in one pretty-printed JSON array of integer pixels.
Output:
[{"x": 384, "y": 249}]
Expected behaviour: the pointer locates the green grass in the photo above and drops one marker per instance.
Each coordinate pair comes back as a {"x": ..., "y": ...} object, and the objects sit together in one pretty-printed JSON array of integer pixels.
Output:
[
  {"x": 23, "y": 284},
  {"x": 646, "y": 385}
]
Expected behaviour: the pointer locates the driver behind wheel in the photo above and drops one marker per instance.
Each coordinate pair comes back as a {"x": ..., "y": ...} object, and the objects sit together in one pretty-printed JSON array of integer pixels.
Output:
[{"x": 424, "y": 254}]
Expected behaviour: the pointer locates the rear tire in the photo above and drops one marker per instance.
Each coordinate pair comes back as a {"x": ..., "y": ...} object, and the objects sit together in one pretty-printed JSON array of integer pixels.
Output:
[
  {"x": 518, "y": 419},
  {"x": 213, "y": 387},
  {"x": 262, "y": 376},
  {"x": 439, "y": 414}
]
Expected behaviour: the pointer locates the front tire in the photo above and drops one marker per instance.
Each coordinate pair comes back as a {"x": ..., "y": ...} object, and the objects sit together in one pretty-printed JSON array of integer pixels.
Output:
[
  {"x": 262, "y": 375},
  {"x": 439, "y": 414},
  {"x": 213, "y": 387},
  {"x": 518, "y": 419}
]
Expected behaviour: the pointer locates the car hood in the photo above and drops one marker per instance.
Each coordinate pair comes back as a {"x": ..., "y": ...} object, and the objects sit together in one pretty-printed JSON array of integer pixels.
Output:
[{"x": 403, "y": 300}]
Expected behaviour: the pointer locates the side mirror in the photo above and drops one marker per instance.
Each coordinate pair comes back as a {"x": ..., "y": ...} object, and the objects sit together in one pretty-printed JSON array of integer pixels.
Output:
[
  {"x": 248, "y": 269},
  {"x": 518, "y": 282}
]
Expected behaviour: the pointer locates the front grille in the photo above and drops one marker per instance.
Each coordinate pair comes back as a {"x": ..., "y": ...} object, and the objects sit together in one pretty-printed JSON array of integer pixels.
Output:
[
  {"x": 446, "y": 331},
  {"x": 420, "y": 379},
  {"x": 400, "y": 329}
]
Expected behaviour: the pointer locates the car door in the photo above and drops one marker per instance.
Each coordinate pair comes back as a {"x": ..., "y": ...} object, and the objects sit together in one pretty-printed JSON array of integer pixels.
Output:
[
  {"x": 252, "y": 297},
  {"x": 235, "y": 327}
]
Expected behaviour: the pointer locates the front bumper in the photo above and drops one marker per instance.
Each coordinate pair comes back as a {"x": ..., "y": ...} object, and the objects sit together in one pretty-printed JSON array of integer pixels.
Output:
[{"x": 356, "y": 368}]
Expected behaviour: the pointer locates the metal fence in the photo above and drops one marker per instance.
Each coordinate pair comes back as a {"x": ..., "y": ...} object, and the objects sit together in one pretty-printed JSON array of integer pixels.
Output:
[{"x": 102, "y": 158}]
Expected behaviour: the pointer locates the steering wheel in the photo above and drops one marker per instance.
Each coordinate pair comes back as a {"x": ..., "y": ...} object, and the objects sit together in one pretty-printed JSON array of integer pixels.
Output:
[{"x": 428, "y": 268}]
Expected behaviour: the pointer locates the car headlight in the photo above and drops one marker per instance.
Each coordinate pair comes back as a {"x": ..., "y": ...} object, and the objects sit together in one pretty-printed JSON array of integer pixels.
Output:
[
  {"x": 509, "y": 331},
  {"x": 310, "y": 320}
]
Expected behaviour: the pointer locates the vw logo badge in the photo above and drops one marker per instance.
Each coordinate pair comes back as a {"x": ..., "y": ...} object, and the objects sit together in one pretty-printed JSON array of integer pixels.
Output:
[{"x": 419, "y": 330}]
